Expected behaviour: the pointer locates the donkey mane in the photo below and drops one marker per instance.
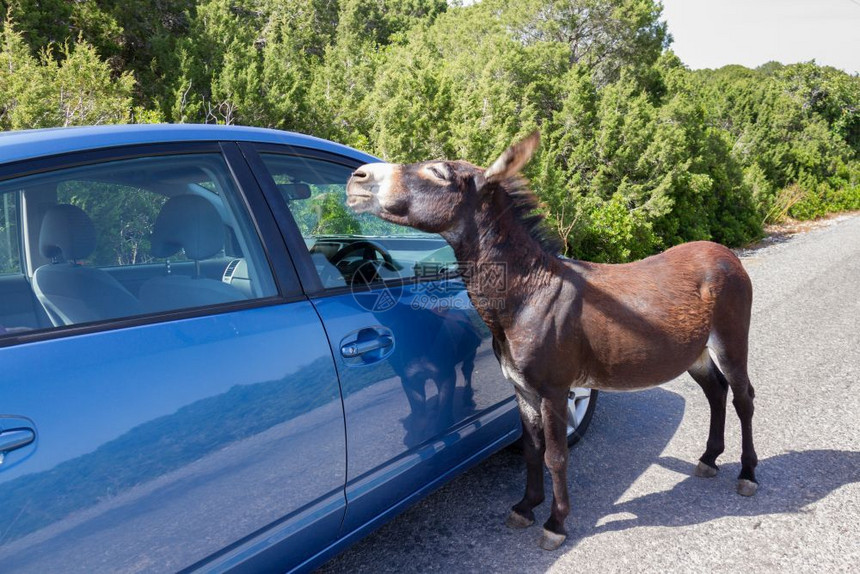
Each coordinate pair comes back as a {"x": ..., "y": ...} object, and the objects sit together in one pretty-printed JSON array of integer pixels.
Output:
[{"x": 523, "y": 204}]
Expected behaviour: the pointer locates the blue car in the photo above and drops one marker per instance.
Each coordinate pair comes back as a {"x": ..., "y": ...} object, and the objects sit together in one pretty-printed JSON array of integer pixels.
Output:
[{"x": 209, "y": 363}]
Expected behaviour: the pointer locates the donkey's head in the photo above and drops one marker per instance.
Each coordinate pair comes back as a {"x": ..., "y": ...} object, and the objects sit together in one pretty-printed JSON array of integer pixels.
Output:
[{"x": 433, "y": 196}]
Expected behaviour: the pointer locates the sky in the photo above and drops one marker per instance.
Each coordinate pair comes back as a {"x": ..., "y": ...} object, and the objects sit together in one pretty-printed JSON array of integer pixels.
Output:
[{"x": 714, "y": 33}]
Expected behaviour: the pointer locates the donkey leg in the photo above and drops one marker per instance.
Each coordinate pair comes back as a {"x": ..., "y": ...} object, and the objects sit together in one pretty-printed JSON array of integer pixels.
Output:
[
  {"x": 522, "y": 515},
  {"x": 733, "y": 362},
  {"x": 743, "y": 395},
  {"x": 730, "y": 340},
  {"x": 554, "y": 411},
  {"x": 413, "y": 387},
  {"x": 716, "y": 388}
]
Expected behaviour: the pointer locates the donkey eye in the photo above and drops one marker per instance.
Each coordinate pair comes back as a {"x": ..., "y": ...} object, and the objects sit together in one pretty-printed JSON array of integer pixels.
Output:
[{"x": 438, "y": 172}]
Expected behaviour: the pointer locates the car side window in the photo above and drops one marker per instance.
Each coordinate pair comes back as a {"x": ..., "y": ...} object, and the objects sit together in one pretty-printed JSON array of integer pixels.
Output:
[
  {"x": 123, "y": 216},
  {"x": 348, "y": 248},
  {"x": 133, "y": 237},
  {"x": 10, "y": 255}
]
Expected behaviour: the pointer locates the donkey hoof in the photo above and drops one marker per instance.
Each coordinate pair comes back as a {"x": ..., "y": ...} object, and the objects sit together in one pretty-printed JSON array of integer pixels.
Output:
[
  {"x": 705, "y": 470},
  {"x": 551, "y": 540},
  {"x": 746, "y": 487},
  {"x": 517, "y": 521}
]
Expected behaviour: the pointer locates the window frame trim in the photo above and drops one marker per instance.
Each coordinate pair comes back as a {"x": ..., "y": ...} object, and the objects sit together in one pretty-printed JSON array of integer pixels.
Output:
[{"x": 286, "y": 281}]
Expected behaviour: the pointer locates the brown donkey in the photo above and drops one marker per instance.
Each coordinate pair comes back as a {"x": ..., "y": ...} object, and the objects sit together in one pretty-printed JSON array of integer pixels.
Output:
[{"x": 563, "y": 323}]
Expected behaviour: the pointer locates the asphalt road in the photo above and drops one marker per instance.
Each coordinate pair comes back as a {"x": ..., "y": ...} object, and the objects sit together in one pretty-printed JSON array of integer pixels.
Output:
[{"x": 636, "y": 506}]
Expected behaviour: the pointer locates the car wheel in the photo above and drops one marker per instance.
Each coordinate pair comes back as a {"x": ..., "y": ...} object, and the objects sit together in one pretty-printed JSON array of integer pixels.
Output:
[{"x": 580, "y": 408}]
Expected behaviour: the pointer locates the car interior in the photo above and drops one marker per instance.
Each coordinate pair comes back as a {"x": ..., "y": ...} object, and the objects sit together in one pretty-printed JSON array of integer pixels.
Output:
[{"x": 124, "y": 238}]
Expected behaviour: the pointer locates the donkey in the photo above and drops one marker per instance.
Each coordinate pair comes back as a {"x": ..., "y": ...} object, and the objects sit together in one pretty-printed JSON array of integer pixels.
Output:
[{"x": 564, "y": 323}]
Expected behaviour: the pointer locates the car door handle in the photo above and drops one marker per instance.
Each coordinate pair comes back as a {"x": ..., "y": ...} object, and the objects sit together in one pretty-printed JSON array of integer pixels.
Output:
[
  {"x": 14, "y": 439},
  {"x": 356, "y": 348}
]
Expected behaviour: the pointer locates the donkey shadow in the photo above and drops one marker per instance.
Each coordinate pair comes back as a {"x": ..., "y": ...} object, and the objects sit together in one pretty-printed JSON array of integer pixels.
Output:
[{"x": 789, "y": 481}]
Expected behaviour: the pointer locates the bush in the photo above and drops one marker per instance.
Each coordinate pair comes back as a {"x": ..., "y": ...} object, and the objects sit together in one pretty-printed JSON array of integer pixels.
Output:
[
  {"x": 809, "y": 205},
  {"x": 613, "y": 233},
  {"x": 638, "y": 152}
]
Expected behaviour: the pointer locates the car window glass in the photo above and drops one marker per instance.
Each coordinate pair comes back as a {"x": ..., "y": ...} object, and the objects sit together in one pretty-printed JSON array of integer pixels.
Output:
[
  {"x": 10, "y": 259},
  {"x": 123, "y": 217},
  {"x": 133, "y": 237},
  {"x": 349, "y": 248}
]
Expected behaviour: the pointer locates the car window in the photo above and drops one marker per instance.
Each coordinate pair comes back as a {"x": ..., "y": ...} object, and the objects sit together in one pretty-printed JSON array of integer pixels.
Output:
[
  {"x": 348, "y": 248},
  {"x": 123, "y": 217},
  {"x": 10, "y": 258},
  {"x": 133, "y": 237}
]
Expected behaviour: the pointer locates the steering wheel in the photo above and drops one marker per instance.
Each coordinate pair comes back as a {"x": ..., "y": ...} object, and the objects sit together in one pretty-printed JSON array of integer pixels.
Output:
[{"x": 371, "y": 248}]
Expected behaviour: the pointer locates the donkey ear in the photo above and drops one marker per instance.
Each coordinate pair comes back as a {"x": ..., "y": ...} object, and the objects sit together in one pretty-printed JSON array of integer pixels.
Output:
[{"x": 513, "y": 159}]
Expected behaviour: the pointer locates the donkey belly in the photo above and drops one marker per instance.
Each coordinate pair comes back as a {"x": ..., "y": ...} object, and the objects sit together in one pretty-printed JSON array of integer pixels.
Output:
[
  {"x": 622, "y": 384},
  {"x": 642, "y": 367}
]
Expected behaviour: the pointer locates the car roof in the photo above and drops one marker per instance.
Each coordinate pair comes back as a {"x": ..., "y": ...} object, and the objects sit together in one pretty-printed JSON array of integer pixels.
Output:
[{"x": 27, "y": 144}]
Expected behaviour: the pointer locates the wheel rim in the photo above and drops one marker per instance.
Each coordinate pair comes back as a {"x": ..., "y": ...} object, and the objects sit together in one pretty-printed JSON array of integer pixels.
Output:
[{"x": 577, "y": 405}]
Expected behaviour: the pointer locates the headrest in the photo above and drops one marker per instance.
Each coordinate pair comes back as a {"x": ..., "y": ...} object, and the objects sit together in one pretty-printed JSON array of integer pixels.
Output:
[
  {"x": 67, "y": 233},
  {"x": 188, "y": 222}
]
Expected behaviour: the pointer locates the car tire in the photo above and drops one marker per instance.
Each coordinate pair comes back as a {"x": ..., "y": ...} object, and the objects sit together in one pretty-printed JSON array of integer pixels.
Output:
[{"x": 580, "y": 408}]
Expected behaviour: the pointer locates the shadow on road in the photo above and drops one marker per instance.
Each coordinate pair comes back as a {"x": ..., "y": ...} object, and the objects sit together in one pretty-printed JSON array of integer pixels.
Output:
[
  {"x": 789, "y": 482},
  {"x": 462, "y": 525},
  {"x": 631, "y": 431}
]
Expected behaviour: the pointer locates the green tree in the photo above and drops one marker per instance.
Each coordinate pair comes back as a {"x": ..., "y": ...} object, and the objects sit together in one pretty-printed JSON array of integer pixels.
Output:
[
  {"x": 793, "y": 129},
  {"x": 638, "y": 152},
  {"x": 64, "y": 86},
  {"x": 606, "y": 36}
]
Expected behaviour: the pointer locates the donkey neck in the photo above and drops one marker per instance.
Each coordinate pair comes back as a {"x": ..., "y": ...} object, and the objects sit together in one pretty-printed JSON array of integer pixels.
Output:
[{"x": 503, "y": 265}]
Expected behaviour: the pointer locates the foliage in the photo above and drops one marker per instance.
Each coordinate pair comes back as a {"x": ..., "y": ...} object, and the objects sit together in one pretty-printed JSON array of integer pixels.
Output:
[
  {"x": 325, "y": 213},
  {"x": 795, "y": 131},
  {"x": 615, "y": 233},
  {"x": 638, "y": 152},
  {"x": 123, "y": 216},
  {"x": 62, "y": 86}
]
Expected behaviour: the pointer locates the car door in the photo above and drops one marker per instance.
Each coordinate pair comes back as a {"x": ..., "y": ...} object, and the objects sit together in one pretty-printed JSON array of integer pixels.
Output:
[
  {"x": 178, "y": 405},
  {"x": 423, "y": 393}
]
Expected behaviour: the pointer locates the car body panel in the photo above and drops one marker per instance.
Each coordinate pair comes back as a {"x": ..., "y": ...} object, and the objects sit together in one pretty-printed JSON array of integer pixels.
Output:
[
  {"x": 148, "y": 465},
  {"x": 401, "y": 430},
  {"x": 29, "y": 144}
]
